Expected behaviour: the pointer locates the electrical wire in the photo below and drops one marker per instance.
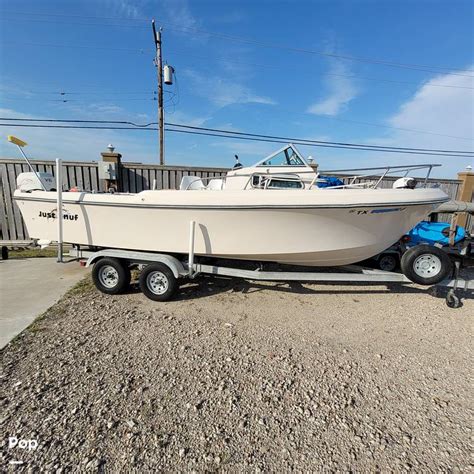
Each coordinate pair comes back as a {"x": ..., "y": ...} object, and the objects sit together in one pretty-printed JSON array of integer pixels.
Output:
[
  {"x": 231, "y": 132},
  {"x": 63, "y": 92},
  {"x": 378, "y": 125},
  {"x": 325, "y": 117},
  {"x": 75, "y": 100},
  {"x": 124, "y": 122},
  {"x": 263, "y": 44},
  {"x": 308, "y": 73},
  {"x": 335, "y": 118},
  {"x": 234, "y": 61},
  {"x": 416, "y": 67},
  {"x": 79, "y": 46},
  {"x": 267, "y": 140},
  {"x": 248, "y": 136}
]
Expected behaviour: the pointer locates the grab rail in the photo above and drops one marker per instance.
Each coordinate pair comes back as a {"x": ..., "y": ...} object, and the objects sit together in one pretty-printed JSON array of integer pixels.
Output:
[{"x": 386, "y": 171}]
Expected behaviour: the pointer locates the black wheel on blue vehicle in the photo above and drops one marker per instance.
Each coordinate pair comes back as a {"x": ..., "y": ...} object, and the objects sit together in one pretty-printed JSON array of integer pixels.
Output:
[
  {"x": 388, "y": 262},
  {"x": 426, "y": 265},
  {"x": 111, "y": 276},
  {"x": 158, "y": 282}
]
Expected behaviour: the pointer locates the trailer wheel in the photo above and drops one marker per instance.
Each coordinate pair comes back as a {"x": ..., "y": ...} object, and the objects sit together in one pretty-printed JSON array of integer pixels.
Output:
[
  {"x": 158, "y": 282},
  {"x": 426, "y": 265},
  {"x": 388, "y": 262},
  {"x": 111, "y": 276}
]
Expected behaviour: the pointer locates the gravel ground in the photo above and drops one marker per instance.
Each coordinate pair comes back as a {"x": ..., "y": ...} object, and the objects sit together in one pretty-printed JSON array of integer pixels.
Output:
[{"x": 238, "y": 377}]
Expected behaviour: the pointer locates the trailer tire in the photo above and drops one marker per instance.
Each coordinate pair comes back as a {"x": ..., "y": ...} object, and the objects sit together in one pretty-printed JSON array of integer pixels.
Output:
[
  {"x": 158, "y": 282},
  {"x": 388, "y": 262},
  {"x": 111, "y": 276},
  {"x": 426, "y": 265},
  {"x": 4, "y": 253}
]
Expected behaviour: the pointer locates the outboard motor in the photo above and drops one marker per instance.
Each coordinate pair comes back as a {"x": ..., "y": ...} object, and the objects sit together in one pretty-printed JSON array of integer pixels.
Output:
[{"x": 405, "y": 183}]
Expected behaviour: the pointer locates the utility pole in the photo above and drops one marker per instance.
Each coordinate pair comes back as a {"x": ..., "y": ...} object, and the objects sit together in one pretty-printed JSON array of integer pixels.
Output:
[{"x": 161, "y": 112}]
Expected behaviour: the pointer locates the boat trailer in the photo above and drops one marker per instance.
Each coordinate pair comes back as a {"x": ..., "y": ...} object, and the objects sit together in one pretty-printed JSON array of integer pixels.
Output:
[{"x": 160, "y": 272}]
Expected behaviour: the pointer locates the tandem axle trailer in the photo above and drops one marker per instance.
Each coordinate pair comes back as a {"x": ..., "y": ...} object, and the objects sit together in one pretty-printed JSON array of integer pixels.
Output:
[{"x": 161, "y": 273}]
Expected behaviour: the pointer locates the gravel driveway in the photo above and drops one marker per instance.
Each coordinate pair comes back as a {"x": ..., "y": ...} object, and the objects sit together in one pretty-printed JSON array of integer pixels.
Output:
[{"x": 246, "y": 377}]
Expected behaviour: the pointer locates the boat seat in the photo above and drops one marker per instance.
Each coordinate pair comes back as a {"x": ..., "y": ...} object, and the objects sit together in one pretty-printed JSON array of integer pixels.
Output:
[
  {"x": 215, "y": 184},
  {"x": 191, "y": 182}
]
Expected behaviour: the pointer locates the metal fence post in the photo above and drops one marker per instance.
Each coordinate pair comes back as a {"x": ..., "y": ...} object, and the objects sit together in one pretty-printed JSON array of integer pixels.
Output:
[{"x": 59, "y": 194}]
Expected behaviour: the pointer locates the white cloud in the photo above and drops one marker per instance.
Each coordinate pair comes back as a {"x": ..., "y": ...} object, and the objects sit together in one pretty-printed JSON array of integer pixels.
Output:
[
  {"x": 180, "y": 13},
  {"x": 341, "y": 91},
  {"x": 124, "y": 8},
  {"x": 222, "y": 92},
  {"x": 445, "y": 112},
  {"x": 186, "y": 119},
  {"x": 225, "y": 16}
]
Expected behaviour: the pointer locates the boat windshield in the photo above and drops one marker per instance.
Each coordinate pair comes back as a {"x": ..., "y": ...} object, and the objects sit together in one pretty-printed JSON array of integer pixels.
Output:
[
  {"x": 265, "y": 181},
  {"x": 285, "y": 157}
]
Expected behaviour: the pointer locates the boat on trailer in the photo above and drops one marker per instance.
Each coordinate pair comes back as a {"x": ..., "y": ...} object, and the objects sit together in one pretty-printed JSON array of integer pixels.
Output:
[{"x": 273, "y": 211}]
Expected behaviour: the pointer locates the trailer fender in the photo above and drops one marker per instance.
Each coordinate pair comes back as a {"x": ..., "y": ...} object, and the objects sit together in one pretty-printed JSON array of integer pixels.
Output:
[{"x": 140, "y": 257}]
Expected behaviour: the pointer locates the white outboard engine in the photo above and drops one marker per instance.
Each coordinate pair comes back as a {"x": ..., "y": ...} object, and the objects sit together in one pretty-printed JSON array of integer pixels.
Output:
[
  {"x": 405, "y": 183},
  {"x": 30, "y": 182}
]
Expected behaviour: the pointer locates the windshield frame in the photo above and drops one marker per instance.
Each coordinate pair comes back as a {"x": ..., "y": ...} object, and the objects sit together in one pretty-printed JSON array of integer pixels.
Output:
[{"x": 303, "y": 164}]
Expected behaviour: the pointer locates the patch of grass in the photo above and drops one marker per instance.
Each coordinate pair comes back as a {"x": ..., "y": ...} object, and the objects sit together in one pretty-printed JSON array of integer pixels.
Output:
[
  {"x": 58, "y": 309},
  {"x": 36, "y": 252},
  {"x": 81, "y": 288},
  {"x": 32, "y": 253},
  {"x": 34, "y": 328}
]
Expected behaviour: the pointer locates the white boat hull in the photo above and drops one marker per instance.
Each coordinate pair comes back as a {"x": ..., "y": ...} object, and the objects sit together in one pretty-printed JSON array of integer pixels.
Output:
[{"x": 315, "y": 228}]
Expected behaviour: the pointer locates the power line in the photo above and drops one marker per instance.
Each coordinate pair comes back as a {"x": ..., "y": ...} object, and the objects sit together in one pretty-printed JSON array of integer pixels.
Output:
[
  {"x": 313, "y": 144},
  {"x": 231, "y": 132},
  {"x": 331, "y": 74},
  {"x": 87, "y": 17},
  {"x": 371, "y": 124},
  {"x": 74, "y": 23},
  {"x": 78, "y": 46},
  {"x": 263, "y": 44},
  {"x": 93, "y": 127},
  {"x": 417, "y": 67},
  {"x": 247, "y": 136},
  {"x": 325, "y": 117},
  {"x": 229, "y": 60},
  {"x": 65, "y": 100},
  {"x": 379, "y": 125},
  {"x": 124, "y": 122},
  {"x": 63, "y": 92}
]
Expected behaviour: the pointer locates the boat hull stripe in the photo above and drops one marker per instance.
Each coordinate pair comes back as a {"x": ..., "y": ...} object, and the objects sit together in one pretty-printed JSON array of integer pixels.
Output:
[{"x": 226, "y": 207}]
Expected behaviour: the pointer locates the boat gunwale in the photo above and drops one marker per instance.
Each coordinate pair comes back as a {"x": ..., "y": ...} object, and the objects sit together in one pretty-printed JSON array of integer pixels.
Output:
[{"x": 237, "y": 206}]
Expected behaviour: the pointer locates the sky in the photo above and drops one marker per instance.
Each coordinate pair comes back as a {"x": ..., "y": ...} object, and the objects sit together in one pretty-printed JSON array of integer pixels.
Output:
[{"x": 270, "y": 67}]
